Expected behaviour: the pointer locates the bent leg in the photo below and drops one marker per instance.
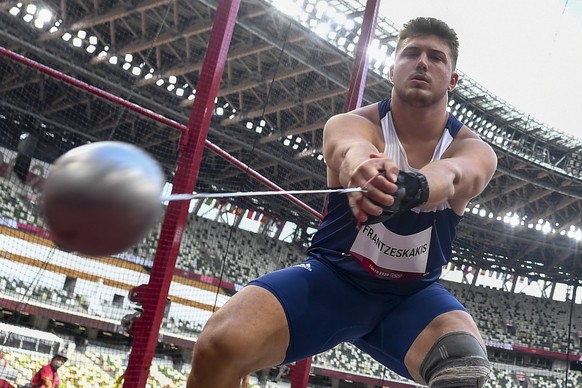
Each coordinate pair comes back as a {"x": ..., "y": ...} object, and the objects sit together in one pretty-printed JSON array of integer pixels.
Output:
[
  {"x": 456, "y": 360},
  {"x": 454, "y": 329},
  {"x": 248, "y": 333},
  {"x": 418, "y": 329},
  {"x": 282, "y": 317}
]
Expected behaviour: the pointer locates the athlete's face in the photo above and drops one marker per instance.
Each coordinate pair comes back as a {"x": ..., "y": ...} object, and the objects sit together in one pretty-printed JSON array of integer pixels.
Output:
[{"x": 422, "y": 72}]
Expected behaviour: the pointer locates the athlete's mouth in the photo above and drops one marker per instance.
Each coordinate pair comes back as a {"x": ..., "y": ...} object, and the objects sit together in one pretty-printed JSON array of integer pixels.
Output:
[{"x": 419, "y": 77}]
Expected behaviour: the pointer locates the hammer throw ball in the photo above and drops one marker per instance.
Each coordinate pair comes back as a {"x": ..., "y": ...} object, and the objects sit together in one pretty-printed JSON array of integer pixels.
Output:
[{"x": 102, "y": 198}]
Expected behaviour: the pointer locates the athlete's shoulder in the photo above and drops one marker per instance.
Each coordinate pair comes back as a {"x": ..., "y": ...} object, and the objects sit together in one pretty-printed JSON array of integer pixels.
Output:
[
  {"x": 465, "y": 132},
  {"x": 370, "y": 112}
]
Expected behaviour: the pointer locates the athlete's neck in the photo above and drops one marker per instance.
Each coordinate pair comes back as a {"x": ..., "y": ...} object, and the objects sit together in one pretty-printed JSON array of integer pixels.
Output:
[{"x": 418, "y": 123}]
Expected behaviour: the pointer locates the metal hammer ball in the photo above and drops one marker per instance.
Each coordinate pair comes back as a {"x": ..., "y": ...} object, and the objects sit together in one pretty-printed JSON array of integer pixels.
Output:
[{"x": 102, "y": 198}]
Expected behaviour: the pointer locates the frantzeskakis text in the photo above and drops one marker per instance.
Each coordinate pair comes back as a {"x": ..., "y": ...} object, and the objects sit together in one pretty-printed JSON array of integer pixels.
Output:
[{"x": 391, "y": 251}]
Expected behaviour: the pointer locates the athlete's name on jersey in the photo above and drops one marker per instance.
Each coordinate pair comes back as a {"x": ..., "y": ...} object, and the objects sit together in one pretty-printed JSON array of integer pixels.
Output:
[{"x": 391, "y": 251}]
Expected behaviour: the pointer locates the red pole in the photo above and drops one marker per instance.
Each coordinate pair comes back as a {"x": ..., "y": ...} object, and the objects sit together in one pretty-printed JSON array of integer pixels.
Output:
[
  {"x": 300, "y": 371},
  {"x": 360, "y": 69},
  {"x": 152, "y": 296}
]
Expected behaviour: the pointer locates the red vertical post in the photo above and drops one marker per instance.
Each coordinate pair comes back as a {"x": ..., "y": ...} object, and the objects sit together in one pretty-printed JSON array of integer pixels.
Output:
[
  {"x": 360, "y": 69},
  {"x": 152, "y": 297},
  {"x": 300, "y": 371}
]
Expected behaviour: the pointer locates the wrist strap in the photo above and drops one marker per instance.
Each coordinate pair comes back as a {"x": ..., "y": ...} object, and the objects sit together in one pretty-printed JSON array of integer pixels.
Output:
[
  {"x": 423, "y": 191},
  {"x": 412, "y": 191}
]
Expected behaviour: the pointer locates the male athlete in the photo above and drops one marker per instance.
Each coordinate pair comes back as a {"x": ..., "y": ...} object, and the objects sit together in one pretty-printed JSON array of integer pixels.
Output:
[{"x": 370, "y": 276}]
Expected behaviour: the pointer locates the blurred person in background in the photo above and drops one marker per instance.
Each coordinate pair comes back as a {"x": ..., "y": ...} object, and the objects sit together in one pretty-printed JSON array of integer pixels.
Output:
[{"x": 48, "y": 376}]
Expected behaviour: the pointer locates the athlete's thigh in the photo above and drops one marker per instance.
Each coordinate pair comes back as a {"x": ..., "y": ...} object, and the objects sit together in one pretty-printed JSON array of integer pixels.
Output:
[
  {"x": 250, "y": 328},
  {"x": 391, "y": 340},
  {"x": 322, "y": 308}
]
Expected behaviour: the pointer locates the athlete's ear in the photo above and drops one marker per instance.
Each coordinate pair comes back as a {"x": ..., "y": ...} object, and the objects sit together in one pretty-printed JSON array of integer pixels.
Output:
[
  {"x": 453, "y": 81},
  {"x": 392, "y": 73}
]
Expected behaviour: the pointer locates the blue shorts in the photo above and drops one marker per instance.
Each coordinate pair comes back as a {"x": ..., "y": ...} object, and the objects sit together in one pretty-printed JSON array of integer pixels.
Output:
[{"x": 324, "y": 309}]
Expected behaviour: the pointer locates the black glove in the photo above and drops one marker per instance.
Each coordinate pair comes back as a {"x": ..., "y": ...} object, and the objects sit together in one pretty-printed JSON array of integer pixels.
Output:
[{"x": 412, "y": 191}]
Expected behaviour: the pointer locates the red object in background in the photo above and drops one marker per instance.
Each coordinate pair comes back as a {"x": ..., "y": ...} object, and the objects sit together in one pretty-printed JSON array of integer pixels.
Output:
[{"x": 5, "y": 384}]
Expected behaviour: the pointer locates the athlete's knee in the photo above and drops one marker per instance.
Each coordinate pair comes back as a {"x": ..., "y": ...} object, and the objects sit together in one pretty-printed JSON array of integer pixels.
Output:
[
  {"x": 214, "y": 344},
  {"x": 456, "y": 360},
  {"x": 207, "y": 350},
  {"x": 213, "y": 361}
]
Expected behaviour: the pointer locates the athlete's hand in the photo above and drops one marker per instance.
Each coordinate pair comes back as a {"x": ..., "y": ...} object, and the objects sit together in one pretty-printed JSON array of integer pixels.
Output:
[{"x": 368, "y": 175}]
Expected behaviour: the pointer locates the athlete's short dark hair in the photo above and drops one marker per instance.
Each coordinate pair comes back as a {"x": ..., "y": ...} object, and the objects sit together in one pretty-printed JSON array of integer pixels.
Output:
[{"x": 431, "y": 26}]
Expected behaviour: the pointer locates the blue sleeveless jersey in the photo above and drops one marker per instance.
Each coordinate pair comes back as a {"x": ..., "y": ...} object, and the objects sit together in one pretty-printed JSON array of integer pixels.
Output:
[{"x": 401, "y": 255}]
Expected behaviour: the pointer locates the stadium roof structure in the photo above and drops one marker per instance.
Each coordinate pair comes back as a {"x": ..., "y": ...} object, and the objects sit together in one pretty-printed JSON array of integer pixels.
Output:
[
  {"x": 288, "y": 70},
  {"x": 31, "y": 334}
]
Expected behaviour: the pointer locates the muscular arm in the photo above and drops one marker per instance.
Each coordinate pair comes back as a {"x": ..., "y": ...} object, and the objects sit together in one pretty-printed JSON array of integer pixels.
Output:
[
  {"x": 464, "y": 171},
  {"x": 352, "y": 145},
  {"x": 350, "y": 142}
]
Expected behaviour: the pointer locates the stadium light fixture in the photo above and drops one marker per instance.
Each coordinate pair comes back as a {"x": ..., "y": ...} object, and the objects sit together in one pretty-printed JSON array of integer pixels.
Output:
[
  {"x": 288, "y": 7},
  {"x": 323, "y": 29},
  {"x": 350, "y": 24},
  {"x": 31, "y": 9}
]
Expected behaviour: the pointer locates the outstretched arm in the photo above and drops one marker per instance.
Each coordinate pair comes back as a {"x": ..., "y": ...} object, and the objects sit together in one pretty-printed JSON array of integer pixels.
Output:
[
  {"x": 462, "y": 173},
  {"x": 351, "y": 148}
]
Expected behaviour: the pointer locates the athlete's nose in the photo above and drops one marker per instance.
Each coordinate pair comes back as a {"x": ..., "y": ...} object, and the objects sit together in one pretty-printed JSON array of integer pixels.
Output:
[{"x": 421, "y": 63}]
